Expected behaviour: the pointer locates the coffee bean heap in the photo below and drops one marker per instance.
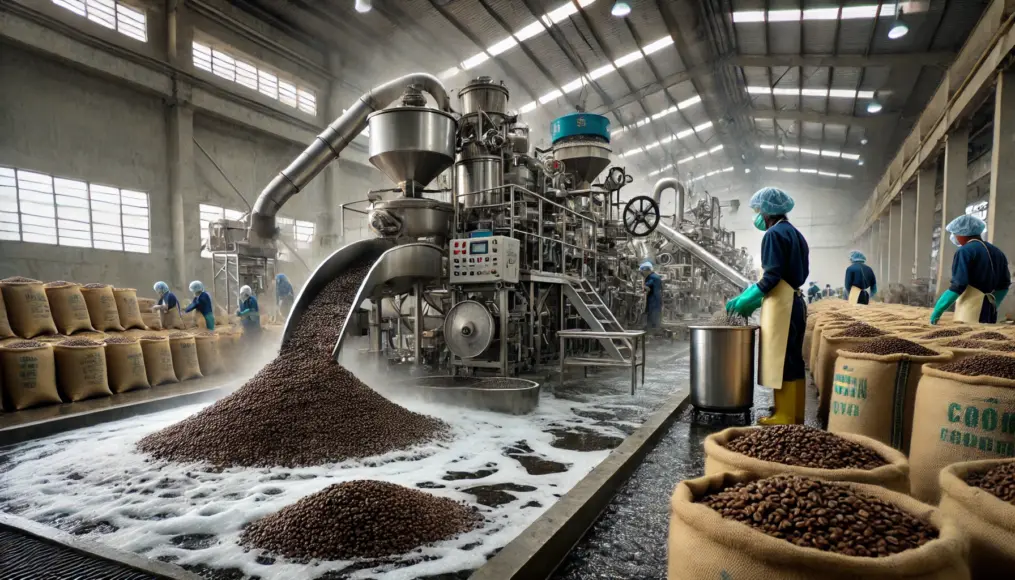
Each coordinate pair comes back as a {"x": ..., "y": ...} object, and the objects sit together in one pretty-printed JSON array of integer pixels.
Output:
[
  {"x": 25, "y": 344},
  {"x": 861, "y": 330},
  {"x": 991, "y": 365},
  {"x": 1006, "y": 346},
  {"x": 804, "y": 446},
  {"x": 302, "y": 408},
  {"x": 989, "y": 335},
  {"x": 722, "y": 318},
  {"x": 999, "y": 481},
  {"x": 95, "y": 285},
  {"x": 79, "y": 342},
  {"x": 892, "y": 345},
  {"x": 359, "y": 519},
  {"x": 59, "y": 284},
  {"x": 120, "y": 340},
  {"x": 179, "y": 334},
  {"x": 943, "y": 333},
  {"x": 828, "y": 516},
  {"x": 153, "y": 337},
  {"x": 19, "y": 280}
]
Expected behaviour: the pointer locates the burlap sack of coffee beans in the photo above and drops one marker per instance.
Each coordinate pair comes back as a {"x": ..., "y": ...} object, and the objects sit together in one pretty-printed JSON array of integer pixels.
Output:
[
  {"x": 101, "y": 306},
  {"x": 186, "y": 365},
  {"x": 29, "y": 374},
  {"x": 806, "y": 451},
  {"x": 5, "y": 326},
  {"x": 158, "y": 360},
  {"x": 27, "y": 307},
  {"x": 70, "y": 313},
  {"x": 359, "y": 519},
  {"x": 961, "y": 417},
  {"x": 833, "y": 340},
  {"x": 806, "y": 529},
  {"x": 874, "y": 393},
  {"x": 968, "y": 496},
  {"x": 208, "y": 356},
  {"x": 152, "y": 320},
  {"x": 125, "y": 364},
  {"x": 81, "y": 369},
  {"x": 819, "y": 330},
  {"x": 172, "y": 319},
  {"x": 127, "y": 308}
]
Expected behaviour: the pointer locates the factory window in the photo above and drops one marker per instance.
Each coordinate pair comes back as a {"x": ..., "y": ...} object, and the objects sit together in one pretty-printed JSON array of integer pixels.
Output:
[
  {"x": 123, "y": 18},
  {"x": 244, "y": 72},
  {"x": 298, "y": 234},
  {"x": 210, "y": 213},
  {"x": 42, "y": 209},
  {"x": 978, "y": 209}
]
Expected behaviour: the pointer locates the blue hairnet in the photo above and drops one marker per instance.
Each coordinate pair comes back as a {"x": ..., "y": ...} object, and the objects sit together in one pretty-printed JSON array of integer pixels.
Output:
[
  {"x": 645, "y": 266},
  {"x": 771, "y": 201},
  {"x": 161, "y": 288},
  {"x": 280, "y": 278},
  {"x": 857, "y": 256},
  {"x": 245, "y": 292},
  {"x": 966, "y": 225},
  {"x": 196, "y": 286}
]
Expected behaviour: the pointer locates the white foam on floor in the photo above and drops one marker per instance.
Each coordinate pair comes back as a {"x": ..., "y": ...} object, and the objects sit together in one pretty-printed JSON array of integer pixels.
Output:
[{"x": 96, "y": 475}]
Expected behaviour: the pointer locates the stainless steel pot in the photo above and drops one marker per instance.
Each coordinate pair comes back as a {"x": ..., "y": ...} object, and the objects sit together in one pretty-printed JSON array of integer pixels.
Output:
[{"x": 722, "y": 367}]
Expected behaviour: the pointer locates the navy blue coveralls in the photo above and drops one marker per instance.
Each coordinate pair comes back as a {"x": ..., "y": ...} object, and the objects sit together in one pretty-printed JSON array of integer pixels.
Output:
[
  {"x": 862, "y": 276},
  {"x": 785, "y": 256},
  {"x": 983, "y": 266},
  {"x": 654, "y": 300}
]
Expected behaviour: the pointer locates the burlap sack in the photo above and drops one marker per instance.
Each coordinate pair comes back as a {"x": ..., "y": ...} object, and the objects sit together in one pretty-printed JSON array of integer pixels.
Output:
[
  {"x": 185, "y": 362},
  {"x": 5, "y": 326},
  {"x": 874, "y": 395},
  {"x": 29, "y": 376},
  {"x": 125, "y": 365},
  {"x": 208, "y": 354},
  {"x": 987, "y": 520},
  {"x": 819, "y": 330},
  {"x": 703, "y": 544},
  {"x": 70, "y": 313},
  {"x": 158, "y": 360},
  {"x": 172, "y": 318},
  {"x": 152, "y": 320},
  {"x": 27, "y": 307},
  {"x": 958, "y": 418},
  {"x": 719, "y": 458},
  {"x": 145, "y": 304},
  {"x": 127, "y": 308},
  {"x": 81, "y": 371},
  {"x": 824, "y": 372},
  {"x": 101, "y": 307}
]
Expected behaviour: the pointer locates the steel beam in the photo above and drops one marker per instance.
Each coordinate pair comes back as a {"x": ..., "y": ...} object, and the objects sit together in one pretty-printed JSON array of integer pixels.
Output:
[
  {"x": 826, "y": 118},
  {"x": 844, "y": 60}
]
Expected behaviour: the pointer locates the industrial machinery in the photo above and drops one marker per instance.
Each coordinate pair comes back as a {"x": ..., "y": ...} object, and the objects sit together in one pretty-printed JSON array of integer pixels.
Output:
[{"x": 479, "y": 275}]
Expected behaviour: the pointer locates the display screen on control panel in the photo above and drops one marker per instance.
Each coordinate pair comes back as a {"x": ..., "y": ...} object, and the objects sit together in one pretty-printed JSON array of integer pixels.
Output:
[{"x": 479, "y": 247}]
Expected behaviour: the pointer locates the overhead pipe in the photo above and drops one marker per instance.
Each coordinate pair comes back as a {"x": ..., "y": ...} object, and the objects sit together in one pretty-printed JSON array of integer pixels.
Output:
[
  {"x": 330, "y": 143},
  {"x": 671, "y": 183},
  {"x": 726, "y": 271}
]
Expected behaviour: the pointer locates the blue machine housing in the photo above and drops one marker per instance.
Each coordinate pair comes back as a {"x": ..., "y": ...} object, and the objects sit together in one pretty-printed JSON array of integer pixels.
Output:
[{"x": 580, "y": 124}]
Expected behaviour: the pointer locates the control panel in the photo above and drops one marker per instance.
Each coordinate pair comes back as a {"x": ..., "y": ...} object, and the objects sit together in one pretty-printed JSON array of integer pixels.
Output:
[{"x": 487, "y": 259}]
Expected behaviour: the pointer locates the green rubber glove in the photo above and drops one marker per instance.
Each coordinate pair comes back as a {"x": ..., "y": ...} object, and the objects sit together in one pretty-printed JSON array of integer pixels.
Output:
[
  {"x": 747, "y": 302},
  {"x": 874, "y": 290},
  {"x": 943, "y": 303}
]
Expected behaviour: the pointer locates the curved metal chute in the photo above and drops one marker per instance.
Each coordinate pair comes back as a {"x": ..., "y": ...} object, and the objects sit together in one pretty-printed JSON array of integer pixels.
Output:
[{"x": 718, "y": 266}]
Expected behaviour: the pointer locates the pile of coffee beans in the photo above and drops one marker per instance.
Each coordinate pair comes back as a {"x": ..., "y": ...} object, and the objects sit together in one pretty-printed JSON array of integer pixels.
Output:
[
  {"x": 892, "y": 345},
  {"x": 302, "y": 408},
  {"x": 95, "y": 285},
  {"x": 999, "y": 481},
  {"x": 943, "y": 333},
  {"x": 1006, "y": 346},
  {"x": 359, "y": 519},
  {"x": 991, "y": 365},
  {"x": 120, "y": 340},
  {"x": 79, "y": 342},
  {"x": 989, "y": 335},
  {"x": 25, "y": 344},
  {"x": 860, "y": 330},
  {"x": 59, "y": 284},
  {"x": 828, "y": 516},
  {"x": 804, "y": 446},
  {"x": 723, "y": 318},
  {"x": 179, "y": 334},
  {"x": 19, "y": 280}
]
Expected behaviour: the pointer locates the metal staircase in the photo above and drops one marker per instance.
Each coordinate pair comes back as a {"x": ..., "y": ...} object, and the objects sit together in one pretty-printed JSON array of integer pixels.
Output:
[{"x": 597, "y": 315}]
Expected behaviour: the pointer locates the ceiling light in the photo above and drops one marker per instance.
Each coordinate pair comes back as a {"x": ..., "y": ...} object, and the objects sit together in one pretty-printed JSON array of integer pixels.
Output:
[
  {"x": 363, "y": 6},
  {"x": 874, "y": 107},
  {"x": 747, "y": 169},
  {"x": 899, "y": 28},
  {"x": 620, "y": 9},
  {"x": 860, "y": 162},
  {"x": 863, "y": 141}
]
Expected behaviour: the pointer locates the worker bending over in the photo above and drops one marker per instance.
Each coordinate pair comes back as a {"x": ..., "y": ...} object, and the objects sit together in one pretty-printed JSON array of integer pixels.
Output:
[
  {"x": 167, "y": 300},
  {"x": 980, "y": 277},
  {"x": 249, "y": 313},
  {"x": 284, "y": 294},
  {"x": 202, "y": 302},
  {"x": 785, "y": 261},
  {"x": 859, "y": 278},
  {"x": 653, "y": 297},
  {"x": 813, "y": 293}
]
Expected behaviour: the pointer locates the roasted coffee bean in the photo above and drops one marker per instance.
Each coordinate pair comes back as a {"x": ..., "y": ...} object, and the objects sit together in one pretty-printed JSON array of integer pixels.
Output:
[
  {"x": 828, "y": 516},
  {"x": 25, "y": 344},
  {"x": 79, "y": 342},
  {"x": 989, "y": 335},
  {"x": 804, "y": 446},
  {"x": 991, "y": 365},
  {"x": 59, "y": 284},
  {"x": 999, "y": 481},
  {"x": 153, "y": 337},
  {"x": 722, "y": 318},
  {"x": 1006, "y": 346},
  {"x": 179, "y": 334},
  {"x": 19, "y": 280},
  {"x": 120, "y": 340},
  {"x": 302, "y": 408},
  {"x": 943, "y": 333},
  {"x": 359, "y": 519},
  {"x": 891, "y": 345},
  {"x": 95, "y": 285},
  {"x": 859, "y": 330}
]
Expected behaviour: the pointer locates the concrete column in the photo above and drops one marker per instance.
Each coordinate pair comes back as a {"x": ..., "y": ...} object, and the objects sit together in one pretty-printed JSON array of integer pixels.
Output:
[
  {"x": 894, "y": 241},
  {"x": 874, "y": 255},
  {"x": 1001, "y": 209},
  {"x": 181, "y": 184},
  {"x": 926, "y": 181},
  {"x": 886, "y": 248},
  {"x": 953, "y": 199},
  {"x": 907, "y": 236}
]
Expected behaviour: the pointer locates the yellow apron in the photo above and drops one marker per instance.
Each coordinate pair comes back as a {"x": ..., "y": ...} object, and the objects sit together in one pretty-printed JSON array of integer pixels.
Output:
[
  {"x": 854, "y": 295},
  {"x": 776, "y": 310},
  {"x": 970, "y": 302}
]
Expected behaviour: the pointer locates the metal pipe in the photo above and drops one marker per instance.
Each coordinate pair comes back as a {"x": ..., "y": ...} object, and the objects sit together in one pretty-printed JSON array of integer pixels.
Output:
[
  {"x": 715, "y": 213},
  {"x": 720, "y": 267},
  {"x": 667, "y": 183},
  {"x": 330, "y": 143}
]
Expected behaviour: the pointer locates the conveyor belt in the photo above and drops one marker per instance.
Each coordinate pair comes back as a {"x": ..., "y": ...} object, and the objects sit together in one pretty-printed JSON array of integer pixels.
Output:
[{"x": 24, "y": 557}]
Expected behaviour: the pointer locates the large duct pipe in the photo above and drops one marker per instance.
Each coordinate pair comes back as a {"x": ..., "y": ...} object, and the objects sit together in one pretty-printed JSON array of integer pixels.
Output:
[
  {"x": 667, "y": 183},
  {"x": 720, "y": 267},
  {"x": 330, "y": 143}
]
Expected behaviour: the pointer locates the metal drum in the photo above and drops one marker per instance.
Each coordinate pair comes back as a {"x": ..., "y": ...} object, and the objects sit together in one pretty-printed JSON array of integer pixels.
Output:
[
  {"x": 722, "y": 367},
  {"x": 479, "y": 174}
]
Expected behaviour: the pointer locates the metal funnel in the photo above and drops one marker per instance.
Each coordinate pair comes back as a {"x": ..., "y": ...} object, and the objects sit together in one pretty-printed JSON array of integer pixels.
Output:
[
  {"x": 584, "y": 159},
  {"x": 412, "y": 145}
]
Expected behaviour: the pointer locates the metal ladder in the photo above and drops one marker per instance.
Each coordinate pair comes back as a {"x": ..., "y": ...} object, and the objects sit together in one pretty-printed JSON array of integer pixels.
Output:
[{"x": 599, "y": 317}]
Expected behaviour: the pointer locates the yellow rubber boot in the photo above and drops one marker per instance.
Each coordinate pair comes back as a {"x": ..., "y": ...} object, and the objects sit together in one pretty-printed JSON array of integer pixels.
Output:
[{"x": 787, "y": 399}]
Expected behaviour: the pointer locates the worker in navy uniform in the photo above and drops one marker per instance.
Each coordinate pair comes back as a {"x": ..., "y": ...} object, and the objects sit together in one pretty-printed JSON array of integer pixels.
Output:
[
  {"x": 653, "y": 297},
  {"x": 813, "y": 293},
  {"x": 785, "y": 261},
  {"x": 980, "y": 277},
  {"x": 861, "y": 284}
]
